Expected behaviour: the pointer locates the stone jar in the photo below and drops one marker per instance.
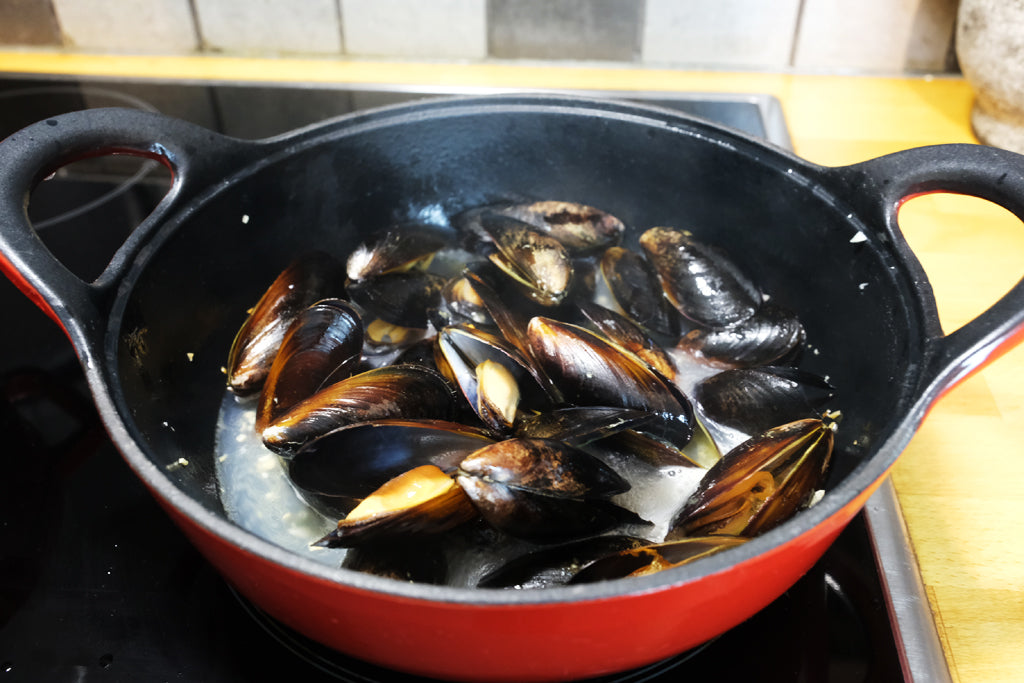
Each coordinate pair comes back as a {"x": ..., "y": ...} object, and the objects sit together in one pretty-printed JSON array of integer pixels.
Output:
[{"x": 990, "y": 48}]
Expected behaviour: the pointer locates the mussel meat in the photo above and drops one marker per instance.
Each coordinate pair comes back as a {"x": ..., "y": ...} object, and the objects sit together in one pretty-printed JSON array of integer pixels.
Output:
[{"x": 422, "y": 501}]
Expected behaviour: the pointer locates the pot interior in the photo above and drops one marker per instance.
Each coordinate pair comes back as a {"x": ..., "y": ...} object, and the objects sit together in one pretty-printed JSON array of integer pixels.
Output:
[{"x": 332, "y": 187}]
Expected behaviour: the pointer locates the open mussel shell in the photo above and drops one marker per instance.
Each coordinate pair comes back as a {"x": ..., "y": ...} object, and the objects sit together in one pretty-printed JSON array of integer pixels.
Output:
[
  {"x": 394, "y": 391},
  {"x": 538, "y": 262},
  {"x": 323, "y": 344},
  {"x": 651, "y": 558},
  {"x": 555, "y": 565},
  {"x": 400, "y": 249},
  {"x": 348, "y": 464},
  {"x": 770, "y": 335},
  {"x": 634, "y": 285},
  {"x": 309, "y": 278},
  {"x": 590, "y": 370},
  {"x": 579, "y": 228},
  {"x": 544, "y": 491},
  {"x": 760, "y": 483},
  {"x": 703, "y": 283},
  {"x": 419, "y": 502},
  {"x": 461, "y": 303},
  {"x": 464, "y": 350},
  {"x": 755, "y": 399}
]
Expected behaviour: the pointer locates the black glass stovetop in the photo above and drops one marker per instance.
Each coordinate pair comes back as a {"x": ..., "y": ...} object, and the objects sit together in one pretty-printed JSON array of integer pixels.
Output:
[{"x": 96, "y": 584}]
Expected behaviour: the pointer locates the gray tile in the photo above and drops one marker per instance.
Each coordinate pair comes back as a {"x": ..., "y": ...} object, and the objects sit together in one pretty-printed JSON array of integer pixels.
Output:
[
  {"x": 439, "y": 29},
  {"x": 720, "y": 33},
  {"x": 565, "y": 29},
  {"x": 28, "y": 22},
  {"x": 258, "y": 26},
  {"x": 877, "y": 36},
  {"x": 141, "y": 26}
]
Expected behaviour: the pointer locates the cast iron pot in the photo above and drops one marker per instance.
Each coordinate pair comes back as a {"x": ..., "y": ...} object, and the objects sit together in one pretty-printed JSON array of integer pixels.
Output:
[{"x": 154, "y": 330}]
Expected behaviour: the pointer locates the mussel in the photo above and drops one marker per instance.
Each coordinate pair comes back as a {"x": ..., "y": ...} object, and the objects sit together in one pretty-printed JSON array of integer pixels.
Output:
[
  {"x": 344, "y": 466},
  {"x": 557, "y": 564},
  {"x": 634, "y": 286},
  {"x": 491, "y": 373},
  {"x": 768, "y": 336},
  {"x": 307, "y": 279},
  {"x": 322, "y": 345},
  {"x": 543, "y": 490},
  {"x": 651, "y": 558},
  {"x": 537, "y": 262},
  {"x": 760, "y": 483},
  {"x": 702, "y": 282},
  {"x": 394, "y": 391},
  {"x": 422, "y": 501},
  {"x": 400, "y": 249},
  {"x": 578, "y": 227},
  {"x": 403, "y": 298},
  {"x": 590, "y": 370},
  {"x": 755, "y": 399},
  {"x": 630, "y": 336}
]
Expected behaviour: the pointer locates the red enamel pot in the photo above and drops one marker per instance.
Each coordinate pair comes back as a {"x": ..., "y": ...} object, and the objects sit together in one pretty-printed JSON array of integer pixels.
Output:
[{"x": 153, "y": 331}]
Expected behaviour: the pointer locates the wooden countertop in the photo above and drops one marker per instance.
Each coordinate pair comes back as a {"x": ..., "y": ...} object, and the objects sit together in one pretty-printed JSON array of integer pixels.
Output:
[{"x": 961, "y": 480}]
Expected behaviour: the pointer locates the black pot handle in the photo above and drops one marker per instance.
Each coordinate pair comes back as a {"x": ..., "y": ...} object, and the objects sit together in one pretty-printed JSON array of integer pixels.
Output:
[
  {"x": 882, "y": 184},
  {"x": 196, "y": 157}
]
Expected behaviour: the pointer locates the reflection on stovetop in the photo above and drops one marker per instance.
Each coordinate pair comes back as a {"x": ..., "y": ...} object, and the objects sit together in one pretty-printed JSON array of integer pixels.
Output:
[{"x": 96, "y": 582}]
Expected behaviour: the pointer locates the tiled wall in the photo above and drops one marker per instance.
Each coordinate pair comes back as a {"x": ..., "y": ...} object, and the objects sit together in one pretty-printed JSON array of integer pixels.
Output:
[{"x": 868, "y": 36}]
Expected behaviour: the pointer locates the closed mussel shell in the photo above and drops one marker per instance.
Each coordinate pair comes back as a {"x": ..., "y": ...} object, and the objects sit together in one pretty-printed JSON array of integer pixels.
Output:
[
  {"x": 395, "y": 391},
  {"x": 770, "y": 335},
  {"x": 544, "y": 491},
  {"x": 755, "y": 399},
  {"x": 629, "y": 336},
  {"x": 590, "y": 370},
  {"x": 579, "y": 425},
  {"x": 651, "y": 558},
  {"x": 760, "y": 483},
  {"x": 556, "y": 565},
  {"x": 702, "y": 282},
  {"x": 422, "y": 501},
  {"x": 322, "y": 345},
  {"x": 307, "y": 279},
  {"x": 349, "y": 463},
  {"x": 635, "y": 287}
]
